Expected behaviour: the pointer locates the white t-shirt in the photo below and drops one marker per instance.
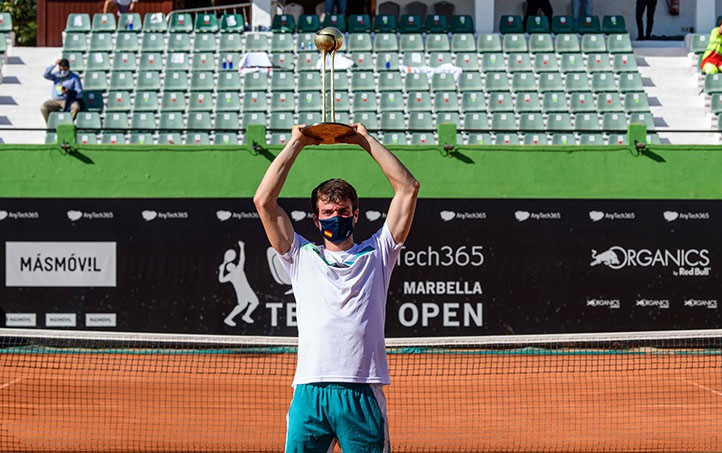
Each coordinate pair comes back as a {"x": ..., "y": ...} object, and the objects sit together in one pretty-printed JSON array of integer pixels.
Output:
[{"x": 341, "y": 309}]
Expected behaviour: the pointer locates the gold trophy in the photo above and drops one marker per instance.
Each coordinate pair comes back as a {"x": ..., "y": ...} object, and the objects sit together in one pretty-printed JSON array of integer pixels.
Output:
[{"x": 328, "y": 40}]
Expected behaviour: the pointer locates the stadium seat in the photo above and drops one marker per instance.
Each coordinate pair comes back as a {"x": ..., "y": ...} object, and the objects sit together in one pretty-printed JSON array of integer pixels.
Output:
[
  {"x": 500, "y": 102},
  {"x": 550, "y": 82},
  {"x": 152, "y": 42},
  {"x": 391, "y": 101},
  {"x": 613, "y": 24},
  {"x": 202, "y": 81},
  {"x": 362, "y": 81},
  {"x": 562, "y": 138},
  {"x": 563, "y": 24},
  {"x": 6, "y": 22},
  {"x": 390, "y": 81},
  {"x": 699, "y": 43},
  {"x": 479, "y": 138},
  {"x": 74, "y": 42},
  {"x": 254, "y": 101},
  {"x": 112, "y": 138},
  {"x": 535, "y": 138},
  {"x": 308, "y": 101},
  {"x": 230, "y": 42},
  {"x": 617, "y": 139},
  {"x": 510, "y": 23},
  {"x": 514, "y": 42},
  {"x": 519, "y": 62},
  {"x": 422, "y": 138},
  {"x": 446, "y": 101},
  {"x": 554, "y": 102},
  {"x": 572, "y": 62},
  {"x": 463, "y": 42},
  {"x": 283, "y": 23},
  {"x": 392, "y": 121},
  {"x": 340, "y": 102},
  {"x": 411, "y": 23},
  {"x": 503, "y": 122},
  {"x": 141, "y": 120},
  {"x": 461, "y": 23},
  {"x": 614, "y": 122},
  {"x": 630, "y": 82},
  {"x": 603, "y": 82},
  {"x": 493, "y": 62},
  {"x": 168, "y": 138},
  {"x": 231, "y": 81},
  {"x": 225, "y": 138},
  {"x": 198, "y": 121},
  {"x": 359, "y": 23},
  {"x": 179, "y": 42},
  {"x": 101, "y": 42},
  {"x": 283, "y": 61},
  {"x": 307, "y": 81},
  {"x": 364, "y": 101},
  {"x": 88, "y": 121},
  {"x": 256, "y": 42},
  {"x": 567, "y": 43},
  {"x": 279, "y": 138},
  {"x": 624, "y": 63},
  {"x": 594, "y": 139},
  {"x": 609, "y": 102},
  {"x": 171, "y": 121},
  {"x": 200, "y": 101},
  {"x": 576, "y": 81},
  {"x": 588, "y": 24},
  {"x": 443, "y": 81},
  {"x": 416, "y": 82},
  {"x": 467, "y": 61},
  {"x": 282, "y": 101},
  {"x": 76, "y": 60},
  {"x": 78, "y": 23},
  {"x": 281, "y": 121},
  {"x": 180, "y": 23},
  {"x": 559, "y": 122},
  {"x": 546, "y": 62},
  {"x": 255, "y": 81},
  {"x": 538, "y": 24},
  {"x": 586, "y": 122},
  {"x": 86, "y": 138},
  {"x": 197, "y": 138},
  {"x": 473, "y": 101},
  {"x": 126, "y": 42},
  {"x": 470, "y": 81},
  {"x": 309, "y": 117},
  {"x": 360, "y": 42},
  {"x": 413, "y": 59},
  {"x": 489, "y": 43},
  {"x": 476, "y": 121},
  {"x": 436, "y": 43},
  {"x": 598, "y": 62},
  {"x": 282, "y": 42},
  {"x": 129, "y": 23},
  {"x": 232, "y": 23},
  {"x": 385, "y": 42},
  {"x": 394, "y": 138},
  {"x": 334, "y": 20},
  {"x": 227, "y": 121},
  {"x": 385, "y": 23},
  {"x": 636, "y": 102},
  {"x": 527, "y": 102},
  {"x": 593, "y": 43},
  {"x": 437, "y": 59},
  {"x": 175, "y": 81},
  {"x": 496, "y": 81},
  {"x": 204, "y": 42},
  {"x": 506, "y": 138},
  {"x": 115, "y": 121},
  {"x": 436, "y": 24},
  {"x": 387, "y": 61},
  {"x": 154, "y": 23},
  {"x": 118, "y": 101},
  {"x": 582, "y": 102},
  {"x": 98, "y": 61},
  {"x": 177, "y": 61},
  {"x": 124, "y": 61},
  {"x": 368, "y": 119},
  {"x": 146, "y": 101},
  {"x": 121, "y": 81},
  {"x": 421, "y": 121},
  {"x": 308, "y": 23},
  {"x": 103, "y": 23},
  {"x": 93, "y": 100},
  {"x": 619, "y": 43},
  {"x": 645, "y": 118},
  {"x": 308, "y": 62},
  {"x": 227, "y": 101},
  {"x": 712, "y": 83},
  {"x": 541, "y": 43},
  {"x": 173, "y": 101},
  {"x": 148, "y": 81}
]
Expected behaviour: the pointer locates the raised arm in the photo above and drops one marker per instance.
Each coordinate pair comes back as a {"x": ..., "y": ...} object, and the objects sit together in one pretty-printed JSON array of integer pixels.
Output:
[
  {"x": 275, "y": 220},
  {"x": 405, "y": 186}
]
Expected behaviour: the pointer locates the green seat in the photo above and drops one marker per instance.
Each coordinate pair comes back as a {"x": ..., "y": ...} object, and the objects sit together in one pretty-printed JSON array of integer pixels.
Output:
[
  {"x": 103, "y": 23},
  {"x": 283, "y": 80},
  {"x": 340, "y": 102},
  {"x": 362, "y": 81},
  {"x": 203, "y": 62},
  {"x": 489, "y": 43},
  {"x": 394, "y": 138},
  {"x": 280, "y": 138},
  {"x": 436, "y": 24},
  {"x": 593, "y": 43},
  {"x": 101, "y": 42},
  {"x": 126, "y": 42},
  {"x": 541, "y": 43},
  {"x": 232, "y": 23},
  {"x": 199, "y": 121},
  {"x": 363, "y": 61},
  {"x": 532, "y": 138},
  {"x": 636, "y": 102},
  {"x": 229, "y": 61},
  {"x": 421, "y": 121},
  {"x": 180, "y": 23},
  {"x": 468, "y": 61},
  {"x": 230, "y": 42},
  {"x": 368, "y": 118},
  {"x": 98, "y": 61},
  {"x": 715, "y": 104},
  {"x": 76, "y": 60},
  {"x": 228, "y": 101},
  {"x": 618, "y": 139},
  {"x": 598, "y": 63},
  {"x": 613, "y": 24},
  {"x": 155, "y": 23},
  {"x": 360, "y": 42},
  {"x": 282, "y": 42},
  {"x": 414, "y": 59},
  {"x": 86, "y": 138},
  {"x": 514, "y": 42},
  {"x": 144, "y": 121},
  {"x": 437, "y": 59},
  {"x": 168, "y": 138},
  {"x": 74, "y": 42},
  {"x": 150, "y": 62},
  {"x": 473, "y": 101},
  {"x": 410, "y": 23},
  {"x": 308, "y": 23},
  {"x": 572, "y": 62},
  {"x": 51, "y": 138},
  {"x": 603, "y": 82},
  {"x": 562, "y": 138},
  {"x": 461, "y": 23},
  {"x": 305, "y": 42},
  {"x": 480, "y": 138},
  {"x": 392, "y": 121},
  {"x": 227, "y": 121},
  {"x": 6, "y": 22},
  {"x": 152, "y": 42},
  {"x": 129, "y": 23},
  {"x": 422, "y": 138},
  {"x": 519, "y": 62},
  {"x": 77, "y": 23},
  {"x": 503, "y": 121},
  {"x": 559, "y": 122},
  {"x": 146, "y": 101},
  {"x": 620, "y": 43},
  {"x": 385, "y": 23},
  {"x": 538, "y": 24},
  {"x": 416, "y": 82},
  {"x": 112, "y": 138},
  {"x": 550, "y": 82},
  {"x": 567, "y": 43},
  {"x": 493, "y": 62},
  {"x": 463, "y": 42},
  {"x": 586, "y": 122},
  {"x": 283, "y": 61},
  {"x": 254, "y": 101},
  {"x": 500, "y": 102},
  {"x": 588, "y": 24},
  {"x": 443, "y": 81},
  {"x": 554, "y": 102},
  {"x": 309, "y": 62},
  {"x": 281, "y": 121},
  {"x": 364, "y": 101},
  {"x": 149, "y": 81},
  {"x": 175, "y": 81},
  {"x": 624, "y": 62},
  {"x": 309, "y": 101},
  {"x": 614, "y": 122},
  {"x": 229, "y": 81},
  {"x": 202, "y": 81},
  {"x": 88, "y": 121},
  {"x": 179, "y": 42},
  {"x": 391, "y": 101},
  {"x": 609, "y": 102},
  {"x": 173, "y": 101},
  {"x": 576, "y": 81},
  {"x": 307, "y": 81},
  {"x": 256, "y": 42},
  {"x": 115, "y": 121},
  {"x": 124, "y": 61},
  {"x": 496, "y": 81},
  {"x": 698, "y": 45},
  {"x": 309, "y": 117},
  {"x": 546, "y": 62},
  {"x": 582, "y": 102},
  {"x": 93, "y": 100},
  {"x": 359, "y": 23},
  {"x": 470, "y": 81},
  {"x": 171, "y": 121},
  {"x": 177, "y": 61},
  {"x": 436, "y": 43},
  {"x": 197, "y": 138},
  {"x": 476, "y": 121},
  {"x": 385, "y": 42},
  {"x": 510, "y": 23},
  {"x": 204, "y": 42},
  {"x": 563, "y": 24},
  {"x": 645, "y": 118},
  {"x": 446, "y": 101},
  {"x": 200, "y": 101},
  {"x": 712, "y": 83},
  {"x": 506, "y": 138},
  {"x": 334, "y": 20},
  {"x": 118, "y": 101},
  {"x": 282, "y": 101},
  {"x": 630, "y": 82},
  {"x": 593, "y": 139},
  {"x": 527, "y": 102},
  {"x": 283, "y": 23},
  {"x": 121, "y": 81}
]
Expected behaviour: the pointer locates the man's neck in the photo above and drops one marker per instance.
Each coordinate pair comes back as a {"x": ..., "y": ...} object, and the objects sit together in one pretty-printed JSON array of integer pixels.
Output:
[{"x": 340, "y": 247}]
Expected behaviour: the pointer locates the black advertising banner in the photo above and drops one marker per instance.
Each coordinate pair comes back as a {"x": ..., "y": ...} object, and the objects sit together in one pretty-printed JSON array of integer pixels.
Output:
[{"x": 469, "y": 267}]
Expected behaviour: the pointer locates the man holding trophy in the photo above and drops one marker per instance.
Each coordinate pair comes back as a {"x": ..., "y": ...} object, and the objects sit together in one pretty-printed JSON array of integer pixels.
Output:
[{"x": 340, "y": 290}]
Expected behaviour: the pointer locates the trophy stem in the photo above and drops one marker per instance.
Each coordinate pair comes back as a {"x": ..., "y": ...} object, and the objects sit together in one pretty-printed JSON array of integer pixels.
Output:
[
  {"x": 323, "y": 87},
  {"x": 333, "y": 83}
]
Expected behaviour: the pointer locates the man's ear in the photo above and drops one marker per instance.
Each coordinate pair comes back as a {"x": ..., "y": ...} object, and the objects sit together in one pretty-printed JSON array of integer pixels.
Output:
[
  {"x": 355, "y": 216},
  {"x": 316, "y": 222}
]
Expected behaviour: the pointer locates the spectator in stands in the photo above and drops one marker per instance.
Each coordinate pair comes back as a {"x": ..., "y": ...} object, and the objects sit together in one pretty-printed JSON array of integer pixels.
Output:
[
  {"x": 577, "y": 6},
  {"x": 121, "y": 6},
  {"x": 339, "y": 4},
  {"x": 67, "y": 92},
  {"x": 533, "y": 6},
  {"x": 650, "y": 6},
  {"x": 712, "y": 58}
]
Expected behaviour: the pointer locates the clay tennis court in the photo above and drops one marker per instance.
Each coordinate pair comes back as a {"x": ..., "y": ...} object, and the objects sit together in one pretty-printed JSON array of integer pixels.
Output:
[{"x": 438, "y": 402}]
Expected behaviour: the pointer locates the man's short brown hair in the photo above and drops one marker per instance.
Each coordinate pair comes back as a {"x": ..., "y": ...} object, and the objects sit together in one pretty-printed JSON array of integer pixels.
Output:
[{"x": 334, "y": 191}]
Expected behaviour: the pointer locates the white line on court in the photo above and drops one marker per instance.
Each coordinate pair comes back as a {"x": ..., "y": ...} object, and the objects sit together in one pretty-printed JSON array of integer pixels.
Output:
[
  {"x": 716, "y": 392},
  {"x": 8, "y": 384}
]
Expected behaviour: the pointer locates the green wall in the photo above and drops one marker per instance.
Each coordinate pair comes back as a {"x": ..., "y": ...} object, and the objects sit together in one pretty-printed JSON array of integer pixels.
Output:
[{"x": 662, "y": 171}]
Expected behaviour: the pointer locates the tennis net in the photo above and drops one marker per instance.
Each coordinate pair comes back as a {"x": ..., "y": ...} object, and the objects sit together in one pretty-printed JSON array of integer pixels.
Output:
[{"x": 83, "y": 391}]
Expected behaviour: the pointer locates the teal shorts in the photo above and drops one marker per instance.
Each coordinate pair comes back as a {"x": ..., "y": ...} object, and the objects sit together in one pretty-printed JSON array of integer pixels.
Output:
[{"x": 321, "y": 414}]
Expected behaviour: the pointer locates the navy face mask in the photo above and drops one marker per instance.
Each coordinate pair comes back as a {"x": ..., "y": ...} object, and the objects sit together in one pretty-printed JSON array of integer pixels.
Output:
[{"x": 336, "y": 229}]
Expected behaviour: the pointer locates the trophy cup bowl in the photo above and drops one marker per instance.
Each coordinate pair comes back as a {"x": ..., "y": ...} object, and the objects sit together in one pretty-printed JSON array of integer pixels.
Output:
[{"x": 328, "y": 40}]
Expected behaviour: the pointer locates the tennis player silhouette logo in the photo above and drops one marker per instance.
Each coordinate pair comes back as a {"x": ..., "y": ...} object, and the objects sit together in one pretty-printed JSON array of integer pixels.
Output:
[{"x": 233, "y": 271}]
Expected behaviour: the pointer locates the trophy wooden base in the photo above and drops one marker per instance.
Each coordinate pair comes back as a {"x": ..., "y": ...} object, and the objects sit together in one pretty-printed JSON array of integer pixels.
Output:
[{"x": 328, "y": 133}]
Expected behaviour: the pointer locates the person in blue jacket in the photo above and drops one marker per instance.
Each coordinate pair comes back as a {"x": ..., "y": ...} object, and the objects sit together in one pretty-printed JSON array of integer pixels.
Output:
[{"x": 67, "y": 94}]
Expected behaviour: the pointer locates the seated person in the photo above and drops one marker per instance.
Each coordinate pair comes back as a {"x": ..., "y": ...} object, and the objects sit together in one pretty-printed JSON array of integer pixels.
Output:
[
  {"x": 67, "y": 94},
  {"x": 712, "y": 57}
]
